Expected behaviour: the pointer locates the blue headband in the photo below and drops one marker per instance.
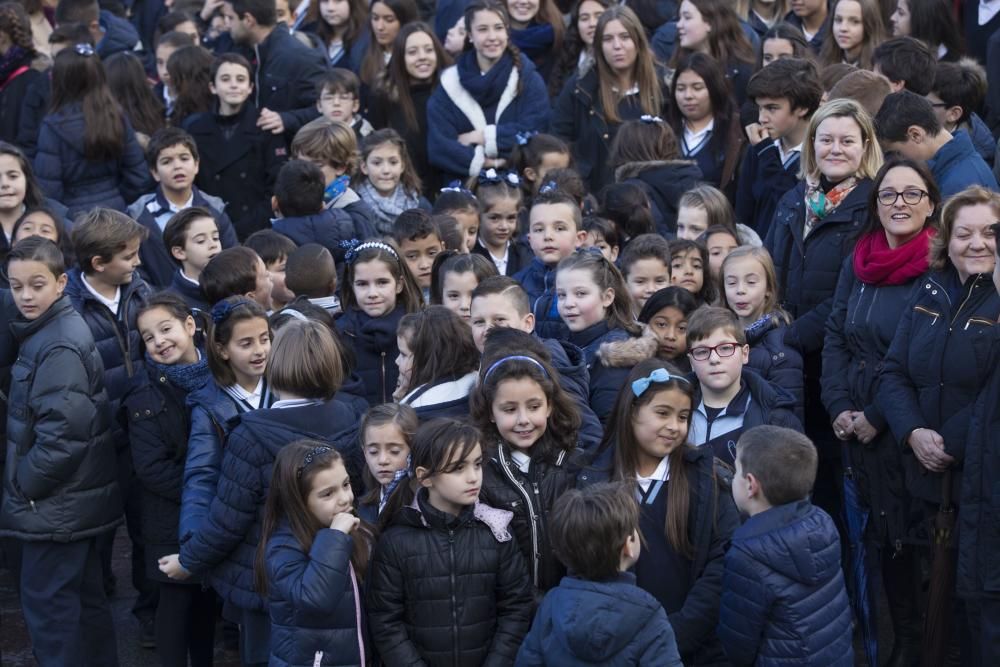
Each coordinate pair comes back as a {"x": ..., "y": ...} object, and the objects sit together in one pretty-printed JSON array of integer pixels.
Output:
[
  {"x": 516, "y": 357},
  {"x": 640, "y": 386},
  {"x": 222, "y": 309},
  {"x": 310, "y": 457}
]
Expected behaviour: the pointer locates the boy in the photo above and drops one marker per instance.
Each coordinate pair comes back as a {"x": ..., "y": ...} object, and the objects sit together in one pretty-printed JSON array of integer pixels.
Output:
[
  {"x": 959, "y": 89},
  {"x": 237, "y": 271},
  {"x": 274, "y": 249},
  {"x": 419, "y": 241},
  {"x": 173, "y": 161},
  {"x": 192, "y": 239},
  {"x": 165, "y": 47},
  {"x": 340, "y": 99},
  {"x": 312, "y": 275},
  {"x": 864, "y": 87},
  {"x": 595, "y": 533},
  {"x": 783, "y": 590},
  {"x": 728, "y": 399},
  {"x": 908, "y": 64},
  {"x": 786, "y": 98}
]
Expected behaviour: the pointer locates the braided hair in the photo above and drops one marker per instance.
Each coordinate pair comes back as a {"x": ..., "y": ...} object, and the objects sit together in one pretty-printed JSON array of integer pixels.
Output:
[
  {"x": 16, "y": 24},
  {"x": 500, "y": 10}
]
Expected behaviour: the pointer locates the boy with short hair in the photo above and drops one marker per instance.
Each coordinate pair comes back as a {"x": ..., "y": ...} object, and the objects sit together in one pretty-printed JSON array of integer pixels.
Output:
[
  {"x": 783, "y": 589},
  {"x": 959, "y": 89},
  {"x": 864, "y": 87},
  {"x": 728, "y": 398},
  {"x": 312, "y": 275},
  {"x": 237, "y": 271},
  {"x": 339, "y": 98},
  {"x": 419, "y": 241},
  {"x": 274, "y": 249},
  {"x": 595, "y": 533},
  {"x": 908, "y": 64},
  {"x": 172, "y": 156},
  {"x": 192, "y": 239}
]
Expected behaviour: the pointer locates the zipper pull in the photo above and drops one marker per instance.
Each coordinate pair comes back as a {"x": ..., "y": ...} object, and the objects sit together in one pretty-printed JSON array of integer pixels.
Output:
[{"x": 33, "y": 508}]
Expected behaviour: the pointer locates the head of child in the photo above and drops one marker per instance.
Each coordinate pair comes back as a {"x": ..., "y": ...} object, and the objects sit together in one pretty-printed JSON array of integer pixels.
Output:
[
  {"x": 306, "y": 362},
  {"x": 750, "y": 285},
  {"x": 386, "y": 163},
  {"x": 717, "y": 349},
  {"x": 640, "y": 142},
  {"x": 274, "y": 250},
  {"x": 688, "y": 263},
  {"x": 700, "y": 208},
  {"x": 646, "y": 267},
  {"x": 311, "y": 272},
  {"x": 627, "y": 205},
  {"x": 719, "y": 240},
  {"x": 236, "y": 271},
  {"x": 590, "y": 290},
  {"x": 18, "y": 187},
  {"x": 106, "y": 244},
  {"x": 419, "y": 242},
  {"x": 232, "y": 82},
  {"x": 454, "y": 276},
  {"x": 452, "y": 236},
  {"x": 446, "y": 458},
  {"x": 165, "y": 47},
  {"x": 172, "y": 156},
  {"x": 499, "y": 302},
  {"x": 594, "y": 531},
  {"x": 666, "y": 313},
  {"x": 423, "y": 359},
  {"x": 239, "y": 342},
  {"x": 774, "y": 466},
  {"x": 786, "y": 97},
  {"x": 377, "y": 280},
  {"x": 42, "y": 222},
  {"x": 298, "y": 190},
  {"x": 37, "y": 274},
  {"x": 330, "y": 145},
  {"x": 603, "y": 235},
  {"x": 555, "y": 227},
  {"x": 192, "y": 238},
  {"x": 167, "y": 330},
  {"x": 386, "y": 433},
  {"x": 535, "y": 155},
  {"x": 463, "y": 206},
  {"x": 500, "y": 198},
  {"x": 339, "y": 95}
]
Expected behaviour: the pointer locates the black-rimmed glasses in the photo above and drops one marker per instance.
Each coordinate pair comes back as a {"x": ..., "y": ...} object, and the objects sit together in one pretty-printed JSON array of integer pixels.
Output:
[{"x": 911, "y": 197}]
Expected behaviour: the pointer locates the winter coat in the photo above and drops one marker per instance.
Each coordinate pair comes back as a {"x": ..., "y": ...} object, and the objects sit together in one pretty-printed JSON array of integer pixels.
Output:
[
  {"x": 982, "y": 139},
  {"x": 119, "y": 36},
  {"x": 12, "y": 93},
  {"x": 574, "y": 377},
  {"x": 448, "y": 397},
  {"x": 936, "y": 368},
  {"x": 225, "y": 543},
  {"x": 60, "y": 473},
  {"x": 239, "y": 164},
  {"x": 448, "y": 590},
  {"x": 329, "y": 228},
  {"x": 314, "y": 601},
  {"x": 783, "y": 593},
  {"x": 776, "y": 362},
  {"x": 288, "y": 74},
  {"x": 539, "y": 282},
  {"x": 605, "y": 380},
  {"x": 383, "y": 112},
  {"x": 65, "y": 174},
  {"x": 763, "y": 181},
  {"x": 34, "y": 106},
  {"x": 153, "y": 212},
  {"x": 957, "y": 165},
  {"x": 664, "y": 182},
  {"x": 361, "y": 213},
  {"x": 189, "y": 291},
  {"x": 373, "y": 342},
  {"x": 613, "y": 623}
]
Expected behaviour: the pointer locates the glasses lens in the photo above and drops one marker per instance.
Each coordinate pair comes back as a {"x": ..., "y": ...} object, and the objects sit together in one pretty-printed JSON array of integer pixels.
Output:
[
  {"x": 887, "y": 197},
  {"x": 725, "y": 350},
  {"x": 701, "y": 353},
  {"x": 913, "y": 196}
]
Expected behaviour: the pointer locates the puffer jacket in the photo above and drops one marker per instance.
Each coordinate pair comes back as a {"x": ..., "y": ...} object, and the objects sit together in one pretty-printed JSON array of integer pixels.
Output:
[
  {"x": 447, "y": 397},
  {"x": 613, "y": 623},
  {"x": 448, "y": 590},
  {"x": 329, "y": 228},
  {"x": 664, "y": 181},
  {"x": 314, "y": 601},
  {"x": 783, "y": 595},
  {"x": 574, "y": 378},
  {"x": 225, "y": 543},
  {"x": 605, "y": 380},
  {"x": 373, "y": 342},
  {"x": 60, "y": 473},
  {"x": 31, "y": 73},
  {"x": 119, "y": 36},
  {"x": 775, "y": 361}
]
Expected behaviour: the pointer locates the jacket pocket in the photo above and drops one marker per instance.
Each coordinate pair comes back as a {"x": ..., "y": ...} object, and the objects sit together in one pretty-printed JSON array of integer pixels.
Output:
[
  {"x": 21, "y": 376},
  {"x": 927, "y": 312}
]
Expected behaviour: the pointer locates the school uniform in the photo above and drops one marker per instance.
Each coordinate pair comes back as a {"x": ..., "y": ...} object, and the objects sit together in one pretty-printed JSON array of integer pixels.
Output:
[
  {"x": 372, "y": 340},
  {"x": 605, "y": 380},
  {"x": 516, "y": 256},
  {"x": 766, "y": 174},
  {"x": 664, "y": 182},
  {"x": 775, "y": 361},
  {"x": 338, "y": 196},
  {"x": 445, "y": 397},
  {"x": 17, "y": 76},
  {"x": 330, "y": 227},
  {"x": 716, "y": 150},
  {"x": 384, "y": 112},
  {"x": 189, "y": 290},
  {"x": 816, "y": 41}
]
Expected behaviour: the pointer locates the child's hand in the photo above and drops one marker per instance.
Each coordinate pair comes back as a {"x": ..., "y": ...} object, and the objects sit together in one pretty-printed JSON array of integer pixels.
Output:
[
  {"x": 345, "y": 522},
  {"x": 270, "y": 121},
  {"x": 756, "y": 133},
  {"x": 472, "y": 138},
  {"x": 171, "y": 566}
]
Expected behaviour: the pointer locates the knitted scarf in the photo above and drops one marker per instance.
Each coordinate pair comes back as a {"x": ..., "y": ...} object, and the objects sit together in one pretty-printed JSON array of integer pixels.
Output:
[
  {"x": 485, "y": 88},
  {"x": 535, "y": 41},
  {"x": 336, "y": 188},
  {"x": 387, "y": 209},
  {"x": 188, "y": 377},
  {"x": 876, "y": 263},
  {"x": 820, "y": 203}
]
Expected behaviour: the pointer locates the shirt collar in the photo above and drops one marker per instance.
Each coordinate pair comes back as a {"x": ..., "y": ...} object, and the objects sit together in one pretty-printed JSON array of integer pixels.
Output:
[{"x": 661, "y": 474}]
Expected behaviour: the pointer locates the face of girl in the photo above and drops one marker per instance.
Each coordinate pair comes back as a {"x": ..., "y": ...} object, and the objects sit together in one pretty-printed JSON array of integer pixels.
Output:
[
  {"x": 660, "y": 426},
  {"x": 581, "y": 301},
  {"x": 168, "y": 340},
  {"x": 719, "y": 245},
  {"x": 468, "y": 221},
  {"x": 456, "y": 294},
  {"x": 454, "y": 40},
  {"x": 839, "y": 147},
  {"x": 248, "y": 349},
  {"x": 972, "y": 248},
  {"x": 330, "y": 493},
  {"x": 38, "y": 224},
  {"x": 488, "y": 36},
  {"x": 776, "y": 48},
  {"x": 33, "y": 287},
  {"x": 692, "y": 96},
  {"x": 522, "y": 12},
  {"x": 385, "y": 451},
  {"x": 458, "y": 486},
  {"x": 375, "y": 288},
  {"x": 670, "y": 327},
  {"x": 692, "y": 30},
  {"x": 384, "y": 168},
  {"x": 645, "y": 277},
  {"x": 521, "y": 411},
  {"x": 692, "y": 221},
  {"x": 848, "y": 28},
  {"x": 549, "y": 162},
  {"x": 592, "y": 240},
  {"x": 586, "y": 22},
  {"x": 404, "y": 361},
  {"x": 13, "y": 184},
  {"x": 900, "y": 19},
  {"x": 499, "y": 222},
  {"x": 745, "y": 282},
  {"x": 903, "y": 221},
  {"x": 687, "y": 271},
  {"x": 385, "y": 24},
  {"x": 419, "y": 56},
  {"x": 335, "y": 13},
  {"x": 618, "y": 47}
]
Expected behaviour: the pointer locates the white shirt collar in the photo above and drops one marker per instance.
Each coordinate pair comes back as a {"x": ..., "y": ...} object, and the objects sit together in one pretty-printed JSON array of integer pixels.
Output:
[
  {"x": 185, "y": 205},
  {"x": 785, "y": 157},
  {"x": 499, "y": 262},
  {"x": 189, "y": 278},
  {"x": 253, "y": 398},
  {"x": 521, "y": 459},
  {"x": 661, "y": 474},
  {"x": 112, "y": 304},
  {"x": 987, "y": 10},
  {"x": 294, "y": 403},
  {"x": 695, "y": 141}
]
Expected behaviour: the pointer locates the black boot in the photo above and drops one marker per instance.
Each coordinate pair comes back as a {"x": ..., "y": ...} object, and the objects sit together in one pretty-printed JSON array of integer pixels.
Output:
[{"x": 900, "y": 577}]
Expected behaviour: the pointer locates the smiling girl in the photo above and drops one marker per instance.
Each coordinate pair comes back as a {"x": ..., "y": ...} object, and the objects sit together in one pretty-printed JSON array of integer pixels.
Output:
[
  {"x": 388, "y": 182},
  {"x": 385, "y": 18},
  {"x": 855, "y": 30},
  {"x": 18, "y": 191},
  {"x": 537, "y": 29}
]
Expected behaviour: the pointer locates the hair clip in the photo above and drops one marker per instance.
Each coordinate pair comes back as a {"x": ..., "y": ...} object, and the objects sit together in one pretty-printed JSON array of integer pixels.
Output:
[
  {"x": 222, "y": 310},
  {"x": 354, "y": 246},
  {"x": 640, "y": 386},
  {"x": 456, "y": 186},
  {"x": 493, "y": 177},
  {"x": 549, "y": 186},
  {"x": 523, "y": 138},
  {"x": 310, "y": 457},
  {"x": 516, "y": 357},
  {"x": 84, "y": 49},
  {"x": 646, "y": 118}
]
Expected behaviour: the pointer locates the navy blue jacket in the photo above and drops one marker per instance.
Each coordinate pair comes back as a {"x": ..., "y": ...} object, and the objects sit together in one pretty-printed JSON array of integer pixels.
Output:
[
  {"x": 226, "y": 542},
  {"x": 574, "y": 378},
  {"x": 613, "y": 623},
  {"x": 313, "y": 600},
  {"x": 288, "y": 73},
  {"x": 519, "y": 256},
  {"x": 539, "y": 281},
  {"x": 763, "y": 181},
  {"x": 12, "y": 94},
  {"x": 189, "y": 291},
  {"x": 982, "y": 139},
  {"x": 957, "y": 165},
  {"x": 328, "y": 228},
  {"x": 119, "y": 36},
  {"x": 373, "y": 342},
  {"x": 444, "y": 397},
  {"x": 34, "y": 106},
  {"x": 605, "y": 381},
  {"x": 783, "y": 595},
  {"x": 664, "y": 182},
  {"x": 775, "y": 361}
]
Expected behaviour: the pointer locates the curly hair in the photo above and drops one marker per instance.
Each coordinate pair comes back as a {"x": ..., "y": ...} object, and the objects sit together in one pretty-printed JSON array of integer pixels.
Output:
[{"x": 15, "y": 23}]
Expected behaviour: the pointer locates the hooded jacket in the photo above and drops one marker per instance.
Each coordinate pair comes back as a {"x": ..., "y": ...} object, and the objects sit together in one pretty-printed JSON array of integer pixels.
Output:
[
  {"x": 574, "y": 378},
  {"x": 329, "y": 228},
  {"x": 775, "y": 361},
  {"x": 119, "y": 36},
  {"x": 665, "y": 182},
  {"x": 447, "y": 397}
]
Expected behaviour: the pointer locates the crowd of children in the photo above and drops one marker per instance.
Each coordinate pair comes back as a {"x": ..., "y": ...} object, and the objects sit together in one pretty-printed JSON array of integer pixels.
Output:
[{"x": 483, "y": 332}]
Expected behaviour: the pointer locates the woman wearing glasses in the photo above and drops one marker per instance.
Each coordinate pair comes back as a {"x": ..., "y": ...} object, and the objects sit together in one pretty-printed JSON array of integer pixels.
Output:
[{"x": 873, "y": 291}]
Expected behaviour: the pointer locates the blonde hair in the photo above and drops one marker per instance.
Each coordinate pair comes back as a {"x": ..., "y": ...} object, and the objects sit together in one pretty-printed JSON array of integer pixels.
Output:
[
  {"x": 305, "y": 360},
  {"x": 331, "y": 141},
  {"x": 772, "y": 302},
  {"x": 871, "y": 159},
  {"x": 971, "y": 196}
]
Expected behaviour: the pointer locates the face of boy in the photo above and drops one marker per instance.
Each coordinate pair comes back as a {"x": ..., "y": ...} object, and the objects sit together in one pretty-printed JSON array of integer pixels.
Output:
[
  {"x": 419, "y": 256},
  {"x": 201, "y": 245},
  {"x": 552, "y": 232},
  {"x": 777, "y": 116},
  {"x": 279, "y": 292},
  {"x": 232, "y": 84},
  {"x": 176, "y": 168},
  {"x": 338, "y": 105},
  {"x": 496, "y": 310},
  {"x": 121, "y": 268},
  {"x": 33, "y": 287},
  {"x": 718, "y": 374}
]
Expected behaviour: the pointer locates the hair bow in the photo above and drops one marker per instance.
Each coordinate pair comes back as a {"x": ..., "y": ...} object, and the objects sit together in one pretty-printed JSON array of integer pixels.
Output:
[
  {"x": 590, "y": 250},
  {"x": 222, "y": 309},
  {"x": 493, "y": 177},
  {"x": 84, "y": 49},
  {"x": 646, "y": 118},
  {"x": 523, "y": 138},
  {"x": 310, "y": 457},
  {"x": 640, "y": 386},
  {"x": 549, "y": 186},
  {"x": 354, "y": 247},
  {"x": 456, "y": 186}
]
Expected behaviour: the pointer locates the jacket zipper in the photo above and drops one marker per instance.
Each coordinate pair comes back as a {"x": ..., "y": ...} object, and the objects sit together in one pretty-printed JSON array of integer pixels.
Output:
[
  {"x": 968, "y": 296},
  {"x": 454, "y": 600},
  {"x": 384, "y": 399},
  {"x": 861, "y": 295},
  {"x": 122, "y": 342},
  {"x": 927, "y": 311},
  {"x": 533, "y": 517},
  {"x": 871, "y": 305}
]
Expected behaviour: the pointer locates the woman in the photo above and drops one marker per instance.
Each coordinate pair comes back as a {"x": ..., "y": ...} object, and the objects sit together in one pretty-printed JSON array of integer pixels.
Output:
[
  {"x": 625, "y": 85},
  {"x": 855, "y": 30},
  {"x": 577, "y": 54},
  {"x": 19, "y": 68},
  {"x": 933, "y": 23},
  {"x": 712, "y": 27},
  {"x": 485, "y": 100},
  {"x": 386, "y": 17},
  {"x": 873, "y": 292}
]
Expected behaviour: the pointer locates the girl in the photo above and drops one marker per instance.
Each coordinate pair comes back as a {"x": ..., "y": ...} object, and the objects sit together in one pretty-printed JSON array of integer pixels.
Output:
[
  {"x": 42, "y": 222},
  {"x": 386, "y": 433},
  {"x": 440, "y": 548},
  {"x": 666, "y": 314},
  {"x": 688, "y": 260},
  {"x": 537, "y": 29},
  {"x": 454, "y": 276},
  {"x": 530, "y": 426},
  {"x": 783, "y": 40},
  {"x": 712, "y": 27},
  {"x": 856, "y": 29},
  {"x": 18, "y": 72},
  {"x": 595, "y": 306},
  {"x": 706, "y": 120},
  {"x": 388, "y": 182},
  {"x": 577, "y": 55},
  {"x": 645, "y": 264},
  {"x": 603, "y": 235},
  {"x": 190, "y": 69},
  {"x": 534, "y": 156},
  {"x": 703, "y": 207},
  {"x": 18, "y": 191},
  {"x": 481, "y": 105},
  {"x": 312, "y": 559},
  {"x": 158, "y": 428},
  {"x": 385, "y": 19},
  {"x": 87, "y": 151},
  {"x": 460, "y": 204},
  {"x": 933, "y": 23},
  {"x": 720, "y": 241},
  {"x": 750, "y": 290},
  {"x": 762, "y": 15},
  {"x": 339, "y": 24},
  {"x": 646, "y": 153},
  {"x": 627, "y": 205},
  {"x": 378, "y": 289},
  {"x": 687, "y": 514},
  {"x": 128, "y": 83},
  {"x": 500, "y": 201}
]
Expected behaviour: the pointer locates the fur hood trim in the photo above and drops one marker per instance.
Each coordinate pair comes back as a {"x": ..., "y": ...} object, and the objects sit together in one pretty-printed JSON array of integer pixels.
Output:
[{"x": 629, "y": 352}]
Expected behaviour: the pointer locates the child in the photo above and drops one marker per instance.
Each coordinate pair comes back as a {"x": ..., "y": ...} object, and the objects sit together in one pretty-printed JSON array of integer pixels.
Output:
[
  {"x": 48, "y": 224},
  {"x": 337, "y": 28},
  {"x": 595, "y": 533},
  {"x": 158, "y": 429},
  {"x": 855, "y": 30},
  {"x": 190, "y": 69},
  {"x": 719, "y": 241},
  {"x": 454, "y": 277},
  {"x": 462, "y": 205},
  {"x": 312, "y": 559},
  {"x": 534, "y": 156},
  {"x": 173, "y": 161},
  {"x": 452, "y": 236},
  {"x": 769, "y": 611},
  {"x": 386, "y": 433},
  {"x": 645, "y": 264},
  {"x": 390, "y": 184},
  {"x": 500, "y": 205},
  {"x": 312, "y": 274},
  {"x": 603, "y": 235},
  {"x": 666, "y": 314},
  {"x": 166, "y": 44},
  {"x": 750, "y": 291},
  {"x": 24, "y": 192},
  {"x": 378, "y": 289},
  {"x": 437, "y": 532},
  {"x": 686, "y": 513},
  {"x": 419, "y": 243},
  {"x": 274, "y": 249},
  {"x": 688, "y": 260},
  {"x": 628, "y": 206},
  {"x": 728, "y": 399},
  {"x": 700, "y": 208},
  {"x": 530, "y": 426},
  {"x": 192, "y": 239},
  {"x": 236, "y": 271},
  {"x": 61, "y": 489},
  {"x": 338, "y": 97}
]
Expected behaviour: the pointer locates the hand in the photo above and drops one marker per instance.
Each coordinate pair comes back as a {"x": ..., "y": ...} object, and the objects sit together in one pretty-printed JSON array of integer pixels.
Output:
[
  {"x": 209, "y": 9},
  {"x": 345, "y": 522},
  {"x": 270, "y": 121},
  {"x": 473, "y": 138},
  {"x": 928, "y": 447},
  {"x": 843, "y": 425},
  {"x": 171, "y": 566},
  {"x": 863, "y": 429},
  {"x": 756, "y": 133}
]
